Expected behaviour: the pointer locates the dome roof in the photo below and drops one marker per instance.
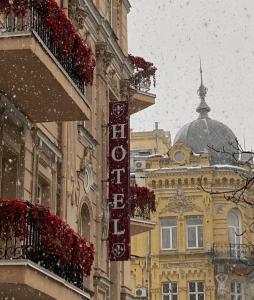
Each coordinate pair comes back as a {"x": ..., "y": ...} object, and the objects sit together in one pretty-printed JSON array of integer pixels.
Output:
[{"x": 210, "y": 136}]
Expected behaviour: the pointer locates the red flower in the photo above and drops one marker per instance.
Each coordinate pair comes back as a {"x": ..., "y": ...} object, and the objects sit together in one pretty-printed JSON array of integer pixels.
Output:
[
  {"x": 58, "y": 238},
  {"x": 143, "y": 69}
]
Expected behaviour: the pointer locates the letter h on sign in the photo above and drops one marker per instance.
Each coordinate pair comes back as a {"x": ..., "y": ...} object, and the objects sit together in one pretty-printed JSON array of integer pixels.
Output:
[{"x": 119, "y": 222}]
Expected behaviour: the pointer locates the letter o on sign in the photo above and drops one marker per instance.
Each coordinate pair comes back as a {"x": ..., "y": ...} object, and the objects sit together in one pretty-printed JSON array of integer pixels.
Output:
[{"x": 116, "y": 150}]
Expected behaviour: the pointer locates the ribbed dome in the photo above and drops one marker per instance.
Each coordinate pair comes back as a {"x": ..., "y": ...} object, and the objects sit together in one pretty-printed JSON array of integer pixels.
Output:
[
  {"x": 202, "y": 134},
  {"x": 205, "y": 134}
]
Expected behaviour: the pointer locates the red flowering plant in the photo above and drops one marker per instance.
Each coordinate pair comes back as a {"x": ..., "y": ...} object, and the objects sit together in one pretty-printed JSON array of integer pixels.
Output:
[
  {"x": 142, "y": 201},
  {"x": 143, "y": 71},
  {"x": 57, "y": 238},
  {"x": 69, "y": 43},
  {"x": 13, "y": 219}
]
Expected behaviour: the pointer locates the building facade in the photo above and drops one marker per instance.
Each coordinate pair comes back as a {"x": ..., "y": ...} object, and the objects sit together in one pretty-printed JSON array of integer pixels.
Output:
[
  {"x": 54, "y": 136},
  {"x": 201, "y": 247}
]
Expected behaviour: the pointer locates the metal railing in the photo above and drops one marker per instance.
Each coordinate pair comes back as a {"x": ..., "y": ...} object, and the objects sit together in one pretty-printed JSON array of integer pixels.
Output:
[
  {"x": 140, "y": 82},
  {"x": 31, "y": 247},
  {"x": 233, "y": 251},
  {"x": 141, "y": 213},
  {"x": 33, "y": 21}
]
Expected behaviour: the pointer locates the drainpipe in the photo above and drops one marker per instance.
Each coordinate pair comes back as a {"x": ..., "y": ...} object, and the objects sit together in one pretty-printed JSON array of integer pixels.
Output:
[
  {"x": 148, "y": 265},
  {"x": 62, "y": 202}
]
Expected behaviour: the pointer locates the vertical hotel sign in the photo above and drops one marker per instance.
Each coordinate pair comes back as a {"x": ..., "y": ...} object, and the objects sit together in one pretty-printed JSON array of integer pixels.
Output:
[{"x": 119, "y": 220}]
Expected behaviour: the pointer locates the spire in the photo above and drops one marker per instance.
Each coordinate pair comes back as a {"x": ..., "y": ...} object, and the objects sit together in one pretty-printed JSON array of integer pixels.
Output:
[{"x": 203, "y": 109}]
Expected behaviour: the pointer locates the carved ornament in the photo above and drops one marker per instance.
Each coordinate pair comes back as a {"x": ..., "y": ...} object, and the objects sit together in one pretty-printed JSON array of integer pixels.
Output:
[{"x": 180, "y": 204}]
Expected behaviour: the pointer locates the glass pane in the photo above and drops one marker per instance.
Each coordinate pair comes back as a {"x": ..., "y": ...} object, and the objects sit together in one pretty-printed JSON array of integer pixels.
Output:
[
  {"x": 165, "y": 288},
  {"x": 195, "y": 221},
  {"x": 233, "y": 219},
  {"x": 174, "y": 238},
  {"x": 174, "y": 297},
  {"x": 192, "y": 287},
  {"x": 168, "y": 222},
  {"x": 200, "y": 286},
  {"x": 192, "y": 237},
  {"x": 233, "y": 297},
  {"x": 201, "y": 297},
  {"x": 239, "y": 297},
  {"x": 165, "y": 297},
  {"x": 165, "y": 238},
  {"x": 192, "y": 297},
  {"x": 231, "y": 232},
  {"x": 174, "y": 287},
  {"x": 200, "y": 236},
  {"x": 238, "y": 288},
  {"x": 232, "y": 287}
]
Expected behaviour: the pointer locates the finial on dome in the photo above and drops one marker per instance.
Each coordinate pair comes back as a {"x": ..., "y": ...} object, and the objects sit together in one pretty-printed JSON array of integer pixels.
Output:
[{"x": 203, "y": 109}]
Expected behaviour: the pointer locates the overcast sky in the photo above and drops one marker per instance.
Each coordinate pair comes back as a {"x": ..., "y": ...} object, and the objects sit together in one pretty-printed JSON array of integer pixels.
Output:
[{"x": 174, "y": 34}]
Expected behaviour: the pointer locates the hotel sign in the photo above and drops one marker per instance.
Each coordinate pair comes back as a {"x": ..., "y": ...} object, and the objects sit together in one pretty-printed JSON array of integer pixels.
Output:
[{"x": 119, "y": 211}]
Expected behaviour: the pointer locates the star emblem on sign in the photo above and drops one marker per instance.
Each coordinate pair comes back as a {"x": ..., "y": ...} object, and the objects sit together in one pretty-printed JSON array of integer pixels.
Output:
[{"x": 118, "y": 109}]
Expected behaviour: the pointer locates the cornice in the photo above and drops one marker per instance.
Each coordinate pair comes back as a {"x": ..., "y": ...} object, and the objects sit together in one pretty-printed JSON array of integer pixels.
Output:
[
  {"x": 202, "y": 169},
  {"x": 84, "y": 133},
  {"x": 127, "y": 5}
]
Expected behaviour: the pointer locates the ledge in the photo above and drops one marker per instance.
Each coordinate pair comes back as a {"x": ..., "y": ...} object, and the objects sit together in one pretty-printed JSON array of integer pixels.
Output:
[{"x": 23, "y": 277}]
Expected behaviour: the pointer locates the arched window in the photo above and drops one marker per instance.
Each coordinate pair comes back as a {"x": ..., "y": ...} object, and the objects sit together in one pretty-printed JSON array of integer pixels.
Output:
[
  {"x": 234, "y": 232},
  {"x": 85, "y": 222}
]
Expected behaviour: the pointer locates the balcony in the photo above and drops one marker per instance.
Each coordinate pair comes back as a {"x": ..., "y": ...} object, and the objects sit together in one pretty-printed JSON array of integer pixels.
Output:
[
  {"x": 38, "y": 250},
  {"x": 232, "y": 253},
  {"x": 44, "y": 63},
  {"x": 141, "y": 81},
  {"x": 142, "y": 204}
]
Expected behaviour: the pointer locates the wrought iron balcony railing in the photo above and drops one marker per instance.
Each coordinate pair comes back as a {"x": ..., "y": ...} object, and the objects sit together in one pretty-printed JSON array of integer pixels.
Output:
[
  {"x": 57, "y": 34},
  {"x": 233, "y": 251},
  {"x": 140, "y": 82},
  {"x": 31, "y": 232}
]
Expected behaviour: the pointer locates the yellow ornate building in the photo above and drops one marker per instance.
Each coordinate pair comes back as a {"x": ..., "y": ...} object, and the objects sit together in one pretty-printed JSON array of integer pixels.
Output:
[
  {"x": 197, "y": 250},
  {"x": 54, "y": 140}
]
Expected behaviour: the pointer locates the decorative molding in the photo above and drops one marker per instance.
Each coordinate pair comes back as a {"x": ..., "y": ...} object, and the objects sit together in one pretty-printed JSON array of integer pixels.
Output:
[
  {"x": 78, "y": 13},
  {"x": 180, "y": 203},
  {"x": 186, "y": 265},
  {"x": 104, "y": 58}
]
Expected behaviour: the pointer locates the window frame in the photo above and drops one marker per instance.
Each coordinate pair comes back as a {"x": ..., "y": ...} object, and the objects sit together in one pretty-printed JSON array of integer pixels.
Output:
[
  {"x": 234, "y": 294},
  {"x": 170, "y": 228},
  {"x": 196, "y": 226},
  {"x": 170, "y": 294},
  {"x": 196, "y": 293}
]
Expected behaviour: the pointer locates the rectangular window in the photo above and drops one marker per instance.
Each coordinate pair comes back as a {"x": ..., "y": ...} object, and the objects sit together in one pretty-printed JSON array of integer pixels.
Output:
[
  {"x": 168, "y": 234},
  {"x": 195, "y": 232},
  {"x": 196, "y": 290},
  {"x": 237, "y": 292},
  {"x": 169, "y": 291}
]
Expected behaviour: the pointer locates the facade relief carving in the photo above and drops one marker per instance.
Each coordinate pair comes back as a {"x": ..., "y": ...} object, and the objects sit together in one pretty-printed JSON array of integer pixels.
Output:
[
  {"x": 125, "y": 91},
  {"x": 78, "y": 13},
  {"x": 180, "y": 204},
  {"x": 221, "y": 279},
  {"x": 86, "y": 171},
  {"x": 103, "y": 58}
]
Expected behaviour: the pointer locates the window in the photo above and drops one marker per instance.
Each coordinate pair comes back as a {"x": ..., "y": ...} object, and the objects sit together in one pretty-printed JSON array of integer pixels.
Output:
[
  {"x": 237, "y": 292},
  {"x": 85, "y": 222},
  {"x": 196, "y": 290},
  {"x": 234, "y": 233},
  {"x": 43, "y": 191},
  {"x": 169, "y": 291},
  {"x": 168, "y": 234},
  {"x": 195, "y": 232}
]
